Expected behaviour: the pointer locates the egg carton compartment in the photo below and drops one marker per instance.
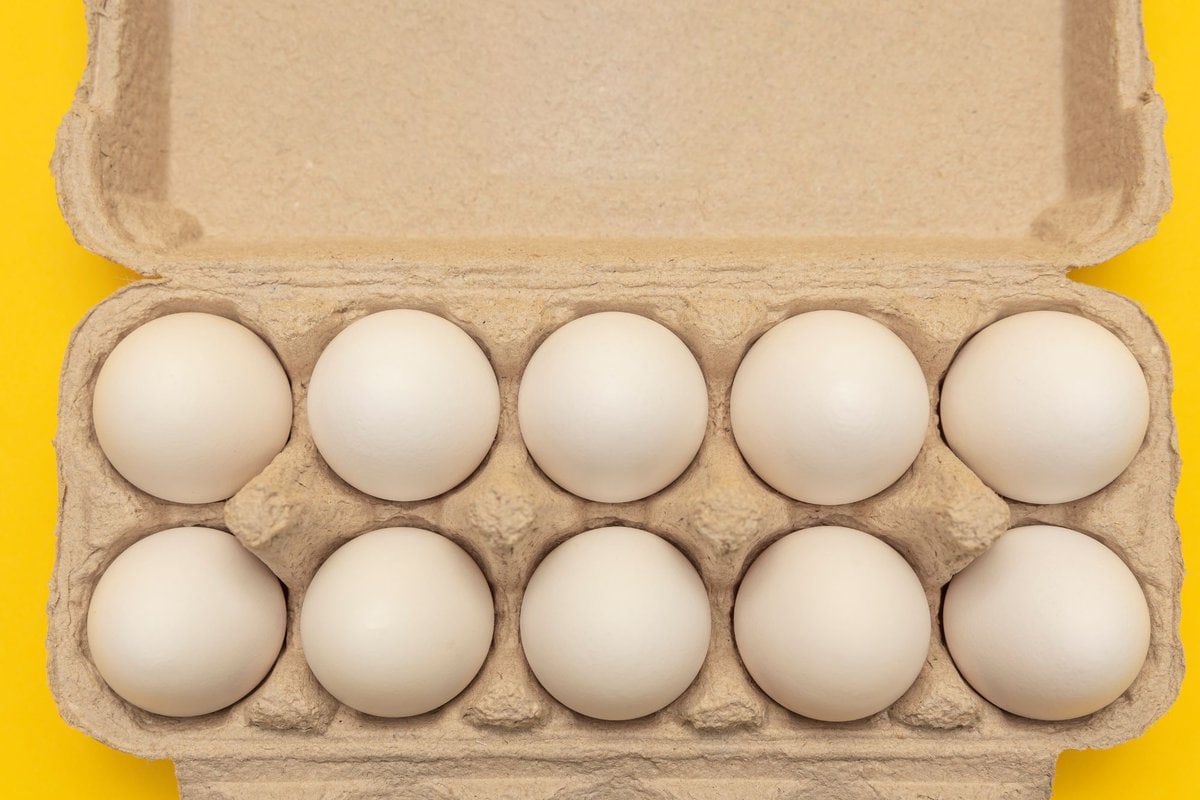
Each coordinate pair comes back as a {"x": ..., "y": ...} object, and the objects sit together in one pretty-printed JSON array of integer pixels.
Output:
[{"x": 509, "y": 515}]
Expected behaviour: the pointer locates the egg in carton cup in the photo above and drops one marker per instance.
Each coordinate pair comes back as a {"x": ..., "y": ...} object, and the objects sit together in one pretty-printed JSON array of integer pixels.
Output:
[{"x": 511, "y": 167}]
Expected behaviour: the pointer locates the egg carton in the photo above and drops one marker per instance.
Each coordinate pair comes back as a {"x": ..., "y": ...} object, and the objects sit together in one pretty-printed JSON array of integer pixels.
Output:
[{"x": 185, "y": 157}]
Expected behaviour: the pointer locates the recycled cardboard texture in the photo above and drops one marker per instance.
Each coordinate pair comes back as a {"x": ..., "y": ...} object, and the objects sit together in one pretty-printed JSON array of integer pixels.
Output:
[
  {"x": 348, "y": 133},
  {"x": 513, "y": 165}
]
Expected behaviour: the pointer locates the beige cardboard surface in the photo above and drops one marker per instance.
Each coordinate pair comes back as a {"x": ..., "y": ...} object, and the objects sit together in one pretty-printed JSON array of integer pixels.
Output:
[
  {"x": 348, "y": 133},
  {"x": 513, "y": 165}
]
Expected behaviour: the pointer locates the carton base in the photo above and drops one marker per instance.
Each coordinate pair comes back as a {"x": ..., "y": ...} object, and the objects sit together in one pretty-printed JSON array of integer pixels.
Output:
[{"x": 966, "y": 777}]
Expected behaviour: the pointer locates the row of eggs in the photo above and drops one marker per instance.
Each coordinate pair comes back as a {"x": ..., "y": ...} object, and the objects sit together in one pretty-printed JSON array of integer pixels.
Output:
[
  {"x": 827, "y": 407},
  {"x": 830, "y": 622}
]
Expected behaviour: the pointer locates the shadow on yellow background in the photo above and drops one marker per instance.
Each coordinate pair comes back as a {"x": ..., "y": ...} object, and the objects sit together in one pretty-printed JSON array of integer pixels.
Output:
[{"x": 50, "y": 282}]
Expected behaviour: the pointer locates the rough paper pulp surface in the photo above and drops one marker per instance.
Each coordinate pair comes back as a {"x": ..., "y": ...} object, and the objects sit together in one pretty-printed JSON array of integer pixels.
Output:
[{"x": 513, "y": 165}]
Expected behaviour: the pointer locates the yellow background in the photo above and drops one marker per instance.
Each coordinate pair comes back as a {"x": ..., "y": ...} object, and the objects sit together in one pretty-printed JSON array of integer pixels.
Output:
[{"x": 49, "y": 282}]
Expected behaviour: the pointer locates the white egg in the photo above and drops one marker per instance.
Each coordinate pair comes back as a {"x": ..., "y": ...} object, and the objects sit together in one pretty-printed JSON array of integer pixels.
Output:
[
  {"x": 832, "y": 623},
  {"x": 189, "y": 407},
  {"x": 1048, "y": 623},
  {"x": 397, "y": 622},
  {"x": 613, "y": 407},
  {"x": 185, "y": 622},
  {"x": 615, "y": 623},
  {"x": 829, "y": 407},
  {"x": 403, "y": 405},
  {"x": 1045, "y": 407}
]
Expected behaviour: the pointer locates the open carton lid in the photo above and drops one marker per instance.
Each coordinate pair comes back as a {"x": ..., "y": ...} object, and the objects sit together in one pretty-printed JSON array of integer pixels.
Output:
[{"x": 234, "y": 135}]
